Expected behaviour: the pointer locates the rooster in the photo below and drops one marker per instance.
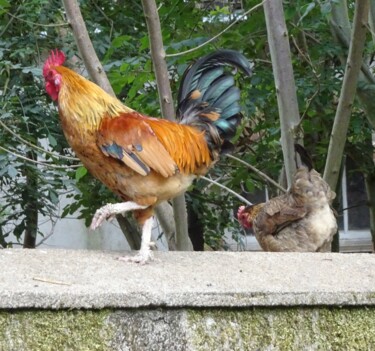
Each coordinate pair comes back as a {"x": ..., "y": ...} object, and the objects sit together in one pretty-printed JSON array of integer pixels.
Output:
[
  {"x": 147, "y": 160},
  {"x": 300, "y": 220}
]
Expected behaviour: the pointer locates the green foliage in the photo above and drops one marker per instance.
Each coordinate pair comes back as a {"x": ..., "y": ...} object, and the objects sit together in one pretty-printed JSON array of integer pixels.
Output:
[
  {"x": 29, "y": 118},
  {"x": 31, "y": 28}
]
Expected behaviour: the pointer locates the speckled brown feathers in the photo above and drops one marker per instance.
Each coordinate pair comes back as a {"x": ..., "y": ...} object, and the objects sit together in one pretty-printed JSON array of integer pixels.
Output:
[{"x": 300, "y": 220}]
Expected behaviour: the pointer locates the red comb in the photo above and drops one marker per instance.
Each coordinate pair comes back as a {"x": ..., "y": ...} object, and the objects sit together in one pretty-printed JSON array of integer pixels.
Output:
[{"x": 56, "y": 58}]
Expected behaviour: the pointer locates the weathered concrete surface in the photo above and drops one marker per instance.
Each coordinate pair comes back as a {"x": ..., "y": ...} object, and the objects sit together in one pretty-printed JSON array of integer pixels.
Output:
[
  {"x": 85, "y": 300},
  {"x": 55, "y": 279}
]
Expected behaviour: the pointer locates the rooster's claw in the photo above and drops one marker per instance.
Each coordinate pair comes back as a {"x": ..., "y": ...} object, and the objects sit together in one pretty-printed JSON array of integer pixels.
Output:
[{"x": 102, "y": 214}]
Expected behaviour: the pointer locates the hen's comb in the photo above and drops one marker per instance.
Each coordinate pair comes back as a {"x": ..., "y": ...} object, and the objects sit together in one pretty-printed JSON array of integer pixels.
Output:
[{"x": 56, "y": 58}]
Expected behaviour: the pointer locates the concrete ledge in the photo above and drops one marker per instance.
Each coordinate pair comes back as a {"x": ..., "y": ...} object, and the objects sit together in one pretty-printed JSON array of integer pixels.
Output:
[
  {"x": 61, "y": 279},
  {"x": 84, "y": 300}
]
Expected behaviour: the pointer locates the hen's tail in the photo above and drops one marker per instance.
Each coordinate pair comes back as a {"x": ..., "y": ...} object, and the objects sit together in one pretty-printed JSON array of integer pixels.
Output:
[
  {"x": 308, "y": 183},
  {"x": 208, "y": 98},
  {"x": 304, "y": 156}
]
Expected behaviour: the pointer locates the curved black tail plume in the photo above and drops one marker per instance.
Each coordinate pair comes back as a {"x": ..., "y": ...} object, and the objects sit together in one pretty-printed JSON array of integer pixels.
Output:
[
  {"x": 305, "y": 157},
  {"x": 209, "y": 98}
]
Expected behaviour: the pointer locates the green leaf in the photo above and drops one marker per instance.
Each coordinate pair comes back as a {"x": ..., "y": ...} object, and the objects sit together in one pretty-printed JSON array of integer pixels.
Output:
[
  {"x": 144, "y": 43},
  {"x": 80, "y": 173},
  {"x": 121, "y": 40},
  {"x": 4, "y": 3},
  {"x": 12, "y": 172},
  {"x": 52, "y": 140},
  {"x": 249, "y": 185},
  {"x": 34, "y": 70},
  {"x": 53, "y": 196},
  {"x": 18, "y": 230}
]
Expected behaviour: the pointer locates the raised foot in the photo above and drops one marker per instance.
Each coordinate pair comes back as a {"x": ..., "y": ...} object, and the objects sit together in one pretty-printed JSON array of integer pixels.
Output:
[
  {"x": 110, "y": 210},
  {"x": 142, "y": 257},
  {"x": 101, "y": 215}
]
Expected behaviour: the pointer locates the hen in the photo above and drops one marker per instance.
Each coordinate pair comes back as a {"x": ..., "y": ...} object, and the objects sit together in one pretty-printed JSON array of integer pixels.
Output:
[
  {"x": 147, "y": 160},
  {"x": 300, "y": 220}
]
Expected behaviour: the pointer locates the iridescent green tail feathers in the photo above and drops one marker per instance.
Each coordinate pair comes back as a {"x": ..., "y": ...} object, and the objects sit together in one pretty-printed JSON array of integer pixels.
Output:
[{"x": 209, "y": 98}]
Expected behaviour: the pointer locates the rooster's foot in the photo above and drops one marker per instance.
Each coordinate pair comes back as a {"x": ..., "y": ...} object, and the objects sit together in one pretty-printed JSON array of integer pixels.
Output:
[
  {"x": 109, "y": 211},
  {"x": 101, "y": 215},
  {"x": 142, "y": 257}
]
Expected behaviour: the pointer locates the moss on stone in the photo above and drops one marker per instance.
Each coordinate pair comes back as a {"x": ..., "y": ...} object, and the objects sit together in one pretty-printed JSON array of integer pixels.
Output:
[
  {"x": 283, "y": 329},
  {"x": 54, "y": 330},
  {"x": 298, "y": 328}
]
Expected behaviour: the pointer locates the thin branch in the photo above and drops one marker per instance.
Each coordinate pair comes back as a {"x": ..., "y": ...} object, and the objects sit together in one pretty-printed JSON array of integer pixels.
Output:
[
  {"x": 208, "y": 186},
  {"x": 268, "y": 62},
  {"x": 219, "y": 34},
  {"x": 37, "y": 162},
  {"x": 370, "y": 30},
  {"x": 36, "y": 147},
  {"x": 258, "y": 172},
  {"x": 307, "y": 34},
  {"x": 38, "y": 24},
  {"x": 227, "y": 189}
]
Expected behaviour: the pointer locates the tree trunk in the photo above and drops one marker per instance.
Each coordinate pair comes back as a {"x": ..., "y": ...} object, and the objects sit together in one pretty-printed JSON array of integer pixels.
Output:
[
  {"x": 164, "y": 211},
  {"x": 284, "y": 80},
  {"x": 196, "y": 229},
  {"x": 371, "y": 19},
  {"x": 341, "y": 29},
  {"x": 31, "y": 208},
  {"x": 130, "y": 229},
  {"x": 3, "y": 243},
  {"x": 348, "y": 90},
  {"x": 166, "y": 103},
  {"x": 85, "y": 47},
  {"x": 370, "y": 188}
]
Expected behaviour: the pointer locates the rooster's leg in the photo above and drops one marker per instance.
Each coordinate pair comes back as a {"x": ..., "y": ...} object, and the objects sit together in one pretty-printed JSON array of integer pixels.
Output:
[
  {"x": 110, "y": 210},
  {"x": 145, "y": 253}
]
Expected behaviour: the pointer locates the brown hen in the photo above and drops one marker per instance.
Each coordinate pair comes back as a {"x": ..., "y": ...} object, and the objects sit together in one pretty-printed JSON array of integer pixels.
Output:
[{"x": 300, "y": 220}]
